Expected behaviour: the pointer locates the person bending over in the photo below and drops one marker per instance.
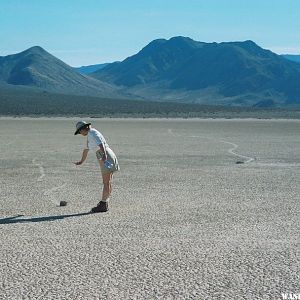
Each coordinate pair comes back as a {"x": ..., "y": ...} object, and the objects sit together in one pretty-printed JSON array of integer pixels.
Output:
[{"x": 106, "y": 157}]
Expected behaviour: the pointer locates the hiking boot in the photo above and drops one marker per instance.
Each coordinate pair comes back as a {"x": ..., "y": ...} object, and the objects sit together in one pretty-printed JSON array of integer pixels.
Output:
[{"x": 101, "y": 207}]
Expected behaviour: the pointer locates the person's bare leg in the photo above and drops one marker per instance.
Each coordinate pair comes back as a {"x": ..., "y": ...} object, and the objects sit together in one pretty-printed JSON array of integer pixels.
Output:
[
  {"x": 107, "y": 186},
  {"x": 102, "y": 206},
  {"x": 110, "y": 184}
]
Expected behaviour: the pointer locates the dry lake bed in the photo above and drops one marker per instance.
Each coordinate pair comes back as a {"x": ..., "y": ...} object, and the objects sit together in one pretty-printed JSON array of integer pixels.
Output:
[{"x": 201, "y": 209}]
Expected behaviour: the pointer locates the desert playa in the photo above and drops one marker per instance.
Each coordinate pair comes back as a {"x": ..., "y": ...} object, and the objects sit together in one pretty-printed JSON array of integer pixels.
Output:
[{"x": 201, "y": 209}]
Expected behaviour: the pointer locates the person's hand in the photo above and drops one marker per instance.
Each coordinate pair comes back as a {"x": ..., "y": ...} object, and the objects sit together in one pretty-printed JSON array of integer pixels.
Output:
[
  {"x": 107, "y": 164},
  {"x": 77, "y": 163}
]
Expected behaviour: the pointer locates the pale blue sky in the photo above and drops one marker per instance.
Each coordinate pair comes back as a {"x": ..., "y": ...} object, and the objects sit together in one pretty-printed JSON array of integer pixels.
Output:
[{"x": 83, "y": 32}]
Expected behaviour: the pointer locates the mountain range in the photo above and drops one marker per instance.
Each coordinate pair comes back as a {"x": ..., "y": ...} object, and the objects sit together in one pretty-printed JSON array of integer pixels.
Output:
[
  {"x": 36, "y": 68},
  {"x": 178, "y": 70},
  {"x": 232, "y": 73}
]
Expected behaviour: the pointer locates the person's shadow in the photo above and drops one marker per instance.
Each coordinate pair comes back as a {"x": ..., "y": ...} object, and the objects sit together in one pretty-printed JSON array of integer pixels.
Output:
[{"x": 17, "y": 219}]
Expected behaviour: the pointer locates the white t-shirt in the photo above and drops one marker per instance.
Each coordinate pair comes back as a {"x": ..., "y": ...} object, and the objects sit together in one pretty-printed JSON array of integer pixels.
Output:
[{"x": 94, "y": 139}]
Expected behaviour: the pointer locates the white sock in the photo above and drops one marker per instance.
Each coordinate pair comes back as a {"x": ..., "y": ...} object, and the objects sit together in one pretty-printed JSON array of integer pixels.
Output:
[{"x": 105, "y": 200}]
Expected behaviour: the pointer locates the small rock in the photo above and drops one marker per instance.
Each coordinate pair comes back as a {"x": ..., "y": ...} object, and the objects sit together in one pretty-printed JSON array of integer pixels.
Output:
[{"x": 63, "y": 203}]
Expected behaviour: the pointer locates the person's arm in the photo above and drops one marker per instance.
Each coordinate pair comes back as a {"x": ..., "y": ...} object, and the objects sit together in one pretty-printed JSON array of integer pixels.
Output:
[
  {"x": 83, "y": 158},
  {"x": 104, "y": 158}
]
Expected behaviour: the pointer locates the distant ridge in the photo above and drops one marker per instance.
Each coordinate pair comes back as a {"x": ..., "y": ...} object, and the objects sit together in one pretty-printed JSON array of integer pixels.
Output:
[
  {"x": 90, "y": 69},
  {"x": 292, "y": 57}
]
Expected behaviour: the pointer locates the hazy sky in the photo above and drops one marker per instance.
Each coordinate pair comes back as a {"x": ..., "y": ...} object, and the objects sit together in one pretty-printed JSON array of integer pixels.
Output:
[{"x": 83, "y": 32}]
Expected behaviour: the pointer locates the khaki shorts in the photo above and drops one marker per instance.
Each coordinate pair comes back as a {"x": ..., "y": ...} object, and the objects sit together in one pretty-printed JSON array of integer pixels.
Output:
[{"x": 111, "y": 157}]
